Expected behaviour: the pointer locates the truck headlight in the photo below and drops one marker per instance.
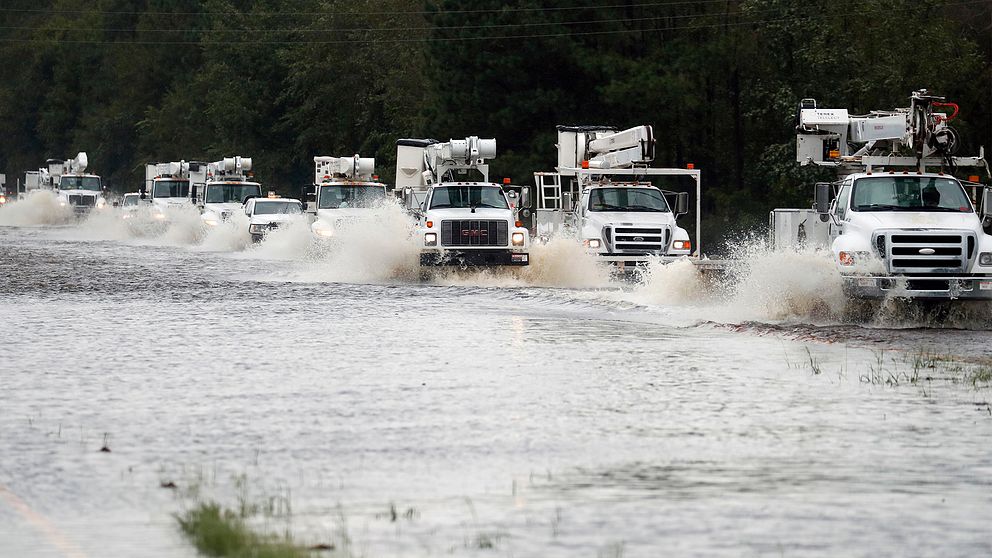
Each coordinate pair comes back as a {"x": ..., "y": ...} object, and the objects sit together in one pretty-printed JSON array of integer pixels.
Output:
[
  {"x": 851, "y": 258},
  {"x": 517, "y": 239},
  {"x": 257, "y": 229},
  {"x": 682, "y": 245},
  {"x": 593, "y": 243},
  {"x": 326, "y": 233},
  {"x": 430, "y": 239},
  {"x": 985, "y": 258},
  {"x": 211, "y": 222}
]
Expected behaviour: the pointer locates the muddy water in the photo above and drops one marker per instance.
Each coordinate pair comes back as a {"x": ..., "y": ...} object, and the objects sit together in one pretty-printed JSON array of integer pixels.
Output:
[{"x": 548, "y": 412}]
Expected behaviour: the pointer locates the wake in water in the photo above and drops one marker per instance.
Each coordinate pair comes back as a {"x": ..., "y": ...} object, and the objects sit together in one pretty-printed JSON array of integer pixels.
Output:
[{"x": 37, "y": 209}]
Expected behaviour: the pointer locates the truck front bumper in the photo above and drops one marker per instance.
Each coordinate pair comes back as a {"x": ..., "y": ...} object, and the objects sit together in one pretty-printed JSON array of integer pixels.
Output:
[
  {"x": 474, "y": 258},
  {"x": 923, "y": 287}
]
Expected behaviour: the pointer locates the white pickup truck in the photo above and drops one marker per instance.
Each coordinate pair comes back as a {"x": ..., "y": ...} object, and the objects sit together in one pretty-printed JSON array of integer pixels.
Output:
[{"x": 268, "y": 214}]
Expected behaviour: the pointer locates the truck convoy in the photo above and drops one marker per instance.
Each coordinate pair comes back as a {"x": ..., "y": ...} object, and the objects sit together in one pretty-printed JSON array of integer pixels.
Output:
[
  {"x": 460, "y": 221},
  {"x": 226, "y": 190},
  {"x": 171, "y": 185},
  {"x": 897, "y": 222},
  {"x": 68, "y": 180},
  {"x": 601, "y": 192},
  {"x": 344, "y": 190}
]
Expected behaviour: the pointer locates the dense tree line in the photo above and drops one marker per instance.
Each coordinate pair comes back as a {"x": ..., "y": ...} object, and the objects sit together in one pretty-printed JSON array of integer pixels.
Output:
[{"x": 132, "y": 81}]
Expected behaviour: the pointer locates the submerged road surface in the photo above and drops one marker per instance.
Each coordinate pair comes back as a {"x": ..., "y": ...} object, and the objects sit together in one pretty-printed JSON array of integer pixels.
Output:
[{"x": 472, "y": 415}]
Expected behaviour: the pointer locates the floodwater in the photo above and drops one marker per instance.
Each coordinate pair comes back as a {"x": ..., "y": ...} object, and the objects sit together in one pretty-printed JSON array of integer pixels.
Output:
[{"x": 544, "y": 412}]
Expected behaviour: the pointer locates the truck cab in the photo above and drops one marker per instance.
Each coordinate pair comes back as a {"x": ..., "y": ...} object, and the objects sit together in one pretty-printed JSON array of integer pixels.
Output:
[
  {"x": 81, "y": 192},
  {"x": 268, "y": 214},
  {"x": 345, "y": 190},
  {"x": 227, "y": 189},
  {"x": 913, "y": 233},
  {"x": 132, "y": 204},
  {"x": 459, "y": 222}
]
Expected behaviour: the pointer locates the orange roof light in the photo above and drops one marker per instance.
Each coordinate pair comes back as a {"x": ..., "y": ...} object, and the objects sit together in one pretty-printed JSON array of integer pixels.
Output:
[
  {"x": 691, "y": 166},
  {"x": 834, "y": 153},
  {"x": 375, "y": 177},
  {"x": 585, "y": 164},
  {"x": 506, "y": 181},
  {"x": 973, "y": 178}
]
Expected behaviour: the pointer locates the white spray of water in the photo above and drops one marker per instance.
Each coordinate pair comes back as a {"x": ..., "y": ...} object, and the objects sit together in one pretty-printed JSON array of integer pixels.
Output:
[
  {"x": 679, "y": 282},
  {"x": 227, "y": 236},
  {"x": 292, "y": 241},
  {"x": 38, "y": 208},
  {"x": 375, "y": 248}
]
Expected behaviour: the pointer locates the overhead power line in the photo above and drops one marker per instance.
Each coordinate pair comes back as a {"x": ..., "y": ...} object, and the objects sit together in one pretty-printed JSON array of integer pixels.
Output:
[{"x": 578, "y": 33}]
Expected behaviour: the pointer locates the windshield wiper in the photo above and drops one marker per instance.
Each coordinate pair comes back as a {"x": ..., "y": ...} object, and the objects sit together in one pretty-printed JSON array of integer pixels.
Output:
[
  {"x": 883, "y": 207},
  {"x": 608, "y": 207},
  {"x": 489, "y": 206},
  {"x": 642, "y": 208},
  {"x": 442, "y": 206}
]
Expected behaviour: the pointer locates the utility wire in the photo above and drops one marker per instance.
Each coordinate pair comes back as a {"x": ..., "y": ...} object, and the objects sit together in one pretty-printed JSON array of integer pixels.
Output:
[
  {"x": 252, "y": 40},
  {"x": 400, "y": 12}
]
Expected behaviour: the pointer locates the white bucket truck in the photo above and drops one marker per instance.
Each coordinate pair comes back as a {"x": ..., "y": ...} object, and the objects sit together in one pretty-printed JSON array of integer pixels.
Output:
[
  {"x": 68, "y": 180},
  {"x": 226, "y": 190},
  {"x": 461, "y": 220},
  {"x": 897, "y": 222},
  {"x": 601, "y": 192},
  {"x": 172, "y": 185},
  {"x": 345, "y": 190}
]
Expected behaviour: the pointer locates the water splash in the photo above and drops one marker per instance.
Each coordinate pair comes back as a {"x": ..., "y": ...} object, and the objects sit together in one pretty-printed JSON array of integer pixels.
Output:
[{"x": 36, "y": 209}]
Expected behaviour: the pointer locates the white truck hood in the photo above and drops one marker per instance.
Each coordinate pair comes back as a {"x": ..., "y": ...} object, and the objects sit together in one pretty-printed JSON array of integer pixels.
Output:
[
  {"x": 630, "y": 218},
  {"x": 466, "y": 213},
  {"x": 915, "y": 220},
  {"x": 347, "y": 213},
  {"x": 219, "y": 208},
  {"x": 266, "y": 219},
  {"x": 170, "y": 202}
]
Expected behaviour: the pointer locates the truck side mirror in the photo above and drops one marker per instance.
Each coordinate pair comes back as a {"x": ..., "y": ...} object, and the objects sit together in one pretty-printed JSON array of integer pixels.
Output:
[
  {"x": 987, "y": 206},
  {"x": 822, "y": 198},
  {"x": 525, "y": 196},
  {"x": 192, "y": 192},
  {"x": 141, "y": 191},
  {"x": 681, "y": 203},
  {"x": 566, "y": 203}
]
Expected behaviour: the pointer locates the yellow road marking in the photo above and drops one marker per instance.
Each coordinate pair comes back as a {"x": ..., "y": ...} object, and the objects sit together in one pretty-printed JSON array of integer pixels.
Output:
[{"x": 42, "y": 523}]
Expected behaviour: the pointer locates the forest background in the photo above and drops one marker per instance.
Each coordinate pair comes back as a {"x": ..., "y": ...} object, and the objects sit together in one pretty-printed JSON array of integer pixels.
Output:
[{"x": 136, "y": 81}]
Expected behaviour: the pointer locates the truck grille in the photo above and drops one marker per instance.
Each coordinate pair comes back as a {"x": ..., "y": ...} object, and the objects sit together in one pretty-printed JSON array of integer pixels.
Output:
[
  {"x": 470, "y": 232},
  {"x": 926, "y": 252},
  {"x": 638, "y": 239},
  {"x": 82, "y": 200}
]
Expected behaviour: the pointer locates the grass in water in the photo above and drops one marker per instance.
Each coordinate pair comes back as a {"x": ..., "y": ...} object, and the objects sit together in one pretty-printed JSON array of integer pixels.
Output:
[{"x": 223, "y": 533}]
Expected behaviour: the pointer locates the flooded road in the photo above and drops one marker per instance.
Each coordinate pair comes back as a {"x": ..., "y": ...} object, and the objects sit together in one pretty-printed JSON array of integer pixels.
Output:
[{"x": 548, "y": 413}]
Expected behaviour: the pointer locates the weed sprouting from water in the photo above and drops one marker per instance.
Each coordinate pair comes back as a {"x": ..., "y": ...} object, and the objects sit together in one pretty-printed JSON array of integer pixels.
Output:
[
  {"x": 220, "y": 532},
  {"x": 813, "y": 363}
]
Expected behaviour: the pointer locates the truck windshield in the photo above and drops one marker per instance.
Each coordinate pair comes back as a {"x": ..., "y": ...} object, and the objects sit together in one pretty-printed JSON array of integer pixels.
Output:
[
  {"x": 170, "y": 189},
  {"x": 468, "y": 196},
  {"x": 277, "y": 208},
  {"x": 627, "y": 199},
  {"x": 909, "y": 193},
  {"x": 91, "y": 183},
  {"x": 226, "y": 193},
  {"x": 341, "y": 196}
]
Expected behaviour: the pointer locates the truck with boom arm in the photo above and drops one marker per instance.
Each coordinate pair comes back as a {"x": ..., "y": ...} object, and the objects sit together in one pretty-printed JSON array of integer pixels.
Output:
[
  {"x": 602, "y": 192},
  {"x": 227, "y": 188},
  {"x": 897, "y": 221},
  {"x": 172, "y": 185},
  {"x": 344, "y": 190},
  {"x": 461, "y": 220},
  {"x": 75, "y": 188}
]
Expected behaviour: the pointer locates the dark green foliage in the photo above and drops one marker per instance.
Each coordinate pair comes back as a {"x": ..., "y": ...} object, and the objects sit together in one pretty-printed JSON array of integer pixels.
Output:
[
  {"x": 132, "y": 81},
  {"x": 222, "y": 533}
]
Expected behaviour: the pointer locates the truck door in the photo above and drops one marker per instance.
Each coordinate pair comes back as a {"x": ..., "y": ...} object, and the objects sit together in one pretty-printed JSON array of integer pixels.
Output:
[{"x": 839, "y": 210}]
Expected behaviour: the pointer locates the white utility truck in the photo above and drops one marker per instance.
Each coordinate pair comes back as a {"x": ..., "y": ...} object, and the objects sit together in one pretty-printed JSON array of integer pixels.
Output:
[
  {"x": 601, "y": 192},
  {"x": 226, "y": 190},
  {"x": 344, "y": 190},
  {"x": 268, "y": 214},
  {"x": 461, "y": 221},
  {"x": 897, "y": 221},
  {"x": 69, "y": 181},
  {"x": 173, "y": 185}
]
